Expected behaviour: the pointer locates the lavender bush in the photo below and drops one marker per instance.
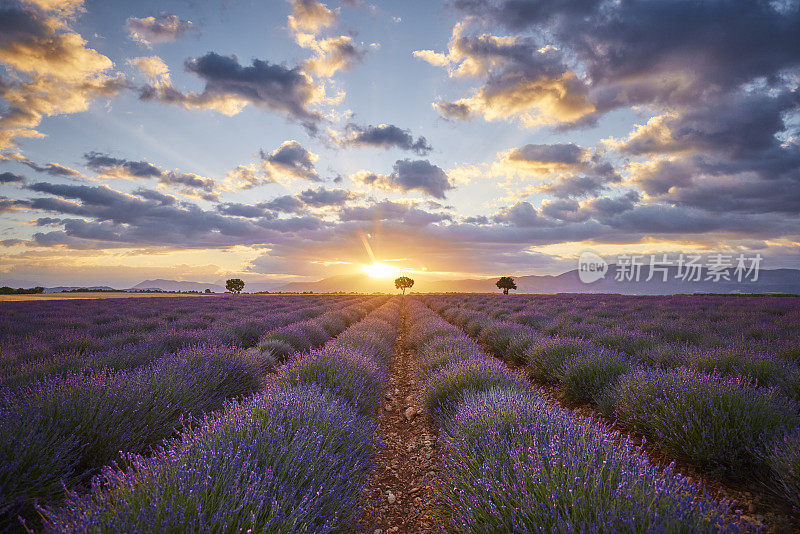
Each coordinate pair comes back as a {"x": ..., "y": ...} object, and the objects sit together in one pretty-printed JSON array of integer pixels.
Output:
[
  {"x": 293, "y": 459},
  {"x": 443, "y": 390},
  {"x": 548, "y": 356},
  {"x": 346, "y": 373},
  {"x": 784, "y": 462},
  {"x": 59, "y": 431},
  {"x": 585, "y": 377},
  {"x": 511, "y": 463},
  {"x": 721, "y": 423}
]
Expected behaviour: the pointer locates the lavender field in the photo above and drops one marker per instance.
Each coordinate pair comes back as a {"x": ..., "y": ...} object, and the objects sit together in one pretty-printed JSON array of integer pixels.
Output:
[{"x": 523, "y": 413}]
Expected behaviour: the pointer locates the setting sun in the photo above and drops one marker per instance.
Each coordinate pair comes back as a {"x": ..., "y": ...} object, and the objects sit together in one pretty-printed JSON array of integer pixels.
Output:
[{"x": 380, "y": 270}]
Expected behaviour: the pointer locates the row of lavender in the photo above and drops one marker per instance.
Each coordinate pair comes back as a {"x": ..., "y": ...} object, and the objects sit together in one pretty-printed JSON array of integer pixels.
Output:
[
  {"x": 60, "y": 430},
  {"x": 32, "y": 331},
  {"x": 292, "y": 458},
  {"x": 736, "y": 417},
  {"x": 512, "y": 463},
  {"x": 93, "y": 334},
  {"x": 657, "y": 327}
]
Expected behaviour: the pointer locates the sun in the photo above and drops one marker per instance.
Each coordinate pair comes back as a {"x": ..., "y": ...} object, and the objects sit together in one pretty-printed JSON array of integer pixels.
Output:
[{"x": 380, "y": 270}]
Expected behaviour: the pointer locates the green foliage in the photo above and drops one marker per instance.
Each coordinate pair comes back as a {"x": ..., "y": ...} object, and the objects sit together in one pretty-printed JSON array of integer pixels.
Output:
[
  {"x": 234, "y": 285},
  {"x": 403, "y": 283},
  {"x": 505, "y": 283}
]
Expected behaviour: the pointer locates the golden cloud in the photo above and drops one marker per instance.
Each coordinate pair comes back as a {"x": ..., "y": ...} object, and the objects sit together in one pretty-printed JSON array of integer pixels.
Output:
[
  {"x": 59, "y": 74},
  {"x": 311, "y": 16}
]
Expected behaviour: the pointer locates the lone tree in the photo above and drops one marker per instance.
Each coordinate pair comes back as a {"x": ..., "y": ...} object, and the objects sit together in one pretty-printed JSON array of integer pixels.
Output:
[
  {"x": 505, "y": 283},
  {"x": 234, "y": 285},
  {"x": 403, "y": 283}
]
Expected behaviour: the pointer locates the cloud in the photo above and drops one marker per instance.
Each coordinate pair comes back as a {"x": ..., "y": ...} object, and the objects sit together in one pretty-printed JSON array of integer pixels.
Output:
[
  {"x": 289, "y": 161},
  {"x": 285, "y": 204},
  {"x": 453, "y": 110},
  {"x": 522, "y": 80},
  {"x": 116, "y": 218},
  {"x": 543, "y": 160},
  {"x": 321, "y": 197},
  {"x": 246, "y": 177},
  {"x": 10, "y": 178},
  {"x": 111, "y": 167},
  {"x": 521, "y": 214},
  {"x": 564, "y": 153},
  {"x": 580, "y": 185},
  {"x": 10, "y": 204},
  {"x": 230, "y": 86},
  {"x": 417, "y": 175},
  {"x": 63, "y": 8},
  {"x": 54, "y": 72},
  {"x": 249, "y": 211},
  {"x": 384, "y": 136},
  {"x": 163, "y": 28},
  {"x": 691, "y": 51},
  {"x": 311, "y": 16},
  {"x": 53, "y": 169},
  {"x": 386, "y": 210},
  {"x": 310, "y": 198},
  {"x": 154, "y": 68},
  {"x": 331, "y": 55}
]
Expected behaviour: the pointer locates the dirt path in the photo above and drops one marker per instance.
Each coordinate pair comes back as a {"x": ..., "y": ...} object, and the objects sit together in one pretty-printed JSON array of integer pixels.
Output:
[{"x": 399, "y": 494}]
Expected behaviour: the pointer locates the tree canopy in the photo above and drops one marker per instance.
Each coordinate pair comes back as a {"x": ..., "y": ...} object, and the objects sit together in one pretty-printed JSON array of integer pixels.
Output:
[
  {"x": 403, "y": 283},
  {"x": 505, "y": 283},
  {"x": 234, "y": 285}
]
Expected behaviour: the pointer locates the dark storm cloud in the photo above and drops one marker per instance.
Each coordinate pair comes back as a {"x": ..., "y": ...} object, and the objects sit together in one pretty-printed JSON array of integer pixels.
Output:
[
  {"x": 717, "y": 44},
  {"x": 164, "y": 27},
  {"x": 387, "y": 210},
  {"x": 151, "y": 194},
  {"x": 285, "y": 204},
  {"x": 563, "y": 210},
  {"x": 53, "y": 169},
  {"x": 386, "y": 136},
  {"x": 10, "y": 177},
  {"x": 521, "y": 214},
  {"x": 104, "y": 163},
  {"x": 741, "y": 125},
  {"x": 581, "y": 185},
  {"x": 453, "y": 110},
  {"x": 292, "y": 159},
  {"x": 567, "y": 153},
  {"x": 99, "y": 162},
  {"x": 604, "y": 206},
  {"x": 249, "y": 211},
  {"x": 9, "y": 204},
  {"x": 136, "y": 220},
  {"x": 230, "y": 85},
  {"x": 408, "y": 175},
  {"x": 321, "y": 197}
]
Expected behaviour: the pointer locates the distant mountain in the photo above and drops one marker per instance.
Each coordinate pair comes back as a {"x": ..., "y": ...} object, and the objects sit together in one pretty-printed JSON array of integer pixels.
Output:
[
  {"x": 175, "y": 285},
  {"x": 769, "y": 281},
  {"x": 359, "y": 283}
]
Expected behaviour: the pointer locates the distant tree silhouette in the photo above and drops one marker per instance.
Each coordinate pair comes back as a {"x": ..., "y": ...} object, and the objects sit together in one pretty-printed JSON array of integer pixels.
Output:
[
  {"x": 505, "y": 283},
  {"x": 208, "y": 290},
  {"x": 234, "y": 285},
  {"x": 403, "y": 283}
]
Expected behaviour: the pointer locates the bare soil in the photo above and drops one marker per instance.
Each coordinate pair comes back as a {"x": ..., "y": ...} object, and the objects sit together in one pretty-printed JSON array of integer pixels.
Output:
[{"x": 399, "y": 495}]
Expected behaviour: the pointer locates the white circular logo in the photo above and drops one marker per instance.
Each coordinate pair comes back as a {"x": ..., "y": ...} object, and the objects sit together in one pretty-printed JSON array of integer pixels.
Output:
[{"x": 591, "y": 267}]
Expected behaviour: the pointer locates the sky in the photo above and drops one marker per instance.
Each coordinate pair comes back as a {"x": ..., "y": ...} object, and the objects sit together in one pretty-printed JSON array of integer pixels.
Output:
[{"x": 281, "y": 141}]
